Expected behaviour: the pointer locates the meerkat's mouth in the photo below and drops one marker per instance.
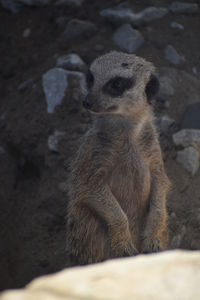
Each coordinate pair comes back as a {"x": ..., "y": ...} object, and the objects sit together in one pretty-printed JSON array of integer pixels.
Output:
[{"x": 110, "y": 109}]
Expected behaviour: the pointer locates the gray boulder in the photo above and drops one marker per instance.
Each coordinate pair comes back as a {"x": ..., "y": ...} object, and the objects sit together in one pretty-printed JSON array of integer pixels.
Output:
[
  {"x": 186, "y": 90},
  {"x": 149, "y": 14},
  {"x": 187, "y": 137},
  {"x": 191, "y": 116},
  {"x": 12, "y": 5},
  {"x": 54, "y": 139},
  {"x": 72, "y": 62},
  {"x": 166, "y": 87},
  {"x": 55, "y": 84},
  {"x": 76, "y": 30},
  {"x": 189, "y": 158},
  {"x": 15, "y": 6},
  {"x": 176, "y": 25},
  {"x": 127, "y": 38},
  {"x": 183, "y": 8},
  {"x": 172, "y": 55},
  {"x": 70, "y": 3},
  {"x": 165, "y": 124},
  {"x": 121, "y": 15},
  {"x": 34, "y": 2}
]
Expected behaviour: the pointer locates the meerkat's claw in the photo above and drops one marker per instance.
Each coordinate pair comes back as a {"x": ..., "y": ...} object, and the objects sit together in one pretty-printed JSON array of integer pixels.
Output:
[
  {"x": 151, "y": 246},
  {"x": 130, "y": 252}
]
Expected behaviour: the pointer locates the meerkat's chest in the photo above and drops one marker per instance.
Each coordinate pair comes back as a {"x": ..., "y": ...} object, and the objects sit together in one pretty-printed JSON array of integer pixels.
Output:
[{"x": 130, "y": 179}]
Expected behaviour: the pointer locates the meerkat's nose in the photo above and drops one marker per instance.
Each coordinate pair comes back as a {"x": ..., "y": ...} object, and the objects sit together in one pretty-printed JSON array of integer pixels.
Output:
[{"x": 87, "y": 103}]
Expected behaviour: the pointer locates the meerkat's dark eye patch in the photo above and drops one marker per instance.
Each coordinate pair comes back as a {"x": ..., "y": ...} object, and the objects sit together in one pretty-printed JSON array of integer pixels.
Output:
[
  {"x": 116, "y": 86},
  {"x": 152, "y": 88},
  {"x": 89, "y": 79}
]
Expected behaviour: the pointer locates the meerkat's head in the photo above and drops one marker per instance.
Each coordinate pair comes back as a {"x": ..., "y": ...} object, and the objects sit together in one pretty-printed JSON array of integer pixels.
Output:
[{"x": 119, "y": 82}]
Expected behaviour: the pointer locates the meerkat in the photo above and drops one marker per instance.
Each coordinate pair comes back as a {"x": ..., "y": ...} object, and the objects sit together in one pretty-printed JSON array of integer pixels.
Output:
[{"x": 118, "y": 185}]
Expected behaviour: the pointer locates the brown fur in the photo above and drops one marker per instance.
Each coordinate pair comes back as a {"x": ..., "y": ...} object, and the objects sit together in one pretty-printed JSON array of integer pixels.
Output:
[{"x": 118, "y": 186}]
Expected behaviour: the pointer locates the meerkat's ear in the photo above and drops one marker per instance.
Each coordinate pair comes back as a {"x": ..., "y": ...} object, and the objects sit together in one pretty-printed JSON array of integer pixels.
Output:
[{"x": 152, "y": 88}]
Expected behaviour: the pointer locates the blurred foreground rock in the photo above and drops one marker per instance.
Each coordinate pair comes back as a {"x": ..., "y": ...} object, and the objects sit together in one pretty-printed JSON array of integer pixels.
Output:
[{"x": 165, "y": 276}]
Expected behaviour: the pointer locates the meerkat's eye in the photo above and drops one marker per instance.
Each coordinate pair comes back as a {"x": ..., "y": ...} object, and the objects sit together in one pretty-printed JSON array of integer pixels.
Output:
[
  {"x": 117, "y": 86},
  {"x": 89, "y": 79}
]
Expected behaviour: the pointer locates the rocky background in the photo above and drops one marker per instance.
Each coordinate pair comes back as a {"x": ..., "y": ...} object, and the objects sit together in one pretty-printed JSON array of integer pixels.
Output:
[{"x": 45, "y": 48}]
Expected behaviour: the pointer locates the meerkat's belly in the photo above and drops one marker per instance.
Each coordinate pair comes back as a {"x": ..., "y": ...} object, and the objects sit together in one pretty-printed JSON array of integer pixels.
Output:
[{"x": 130, "y": 184}]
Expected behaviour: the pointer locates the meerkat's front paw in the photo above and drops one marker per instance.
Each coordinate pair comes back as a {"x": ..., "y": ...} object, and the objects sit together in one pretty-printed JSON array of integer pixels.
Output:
[
  {"x": 123, "y": 247},
  {"x": 151, "y": 245},
  {"x": 130, "y": 250}
]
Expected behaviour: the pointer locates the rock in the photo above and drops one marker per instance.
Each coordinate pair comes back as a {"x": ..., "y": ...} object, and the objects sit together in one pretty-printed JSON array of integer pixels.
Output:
[
  {"x": 189, "y": 158},
  {"x": 24, "y": 85},
  {"x": 62, "y": 21},
  {"x": 191, "y": 117},
  {"x": 70, "y": 3},
  {"x": 2, "y": 150},
  {"x": 149, "y": 14},
  {"x": 76, "y": 30},
  {"x": 187, "y": 137},
  {"x": 177, "y": 25},
  {"x": 172, "y": 55},
  {"x": 166, "y": 123},
  {"x": 55, "y": 85},
  {"x": 177, "y": 239},
  {"x": 194, "y": 70},
  {"x": 183, "y": 8},
  {"x": 26, "y": 33},
  {"x": 34, "y": 2},
  {"x": 127, "y": 38},
  {"x": 16, "y": 6},
  {"x": 166, "y": 87},
  {"x": 117, "y": 16},
  {"x": 164, "y": 276},
  {"x": 121, "y": 15},
  {"x": 54, "y": 139},
  {"x": 186, "y": 90},
  {"x": 12, "y": 5},
  {"x": 71, "y": 62}
]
